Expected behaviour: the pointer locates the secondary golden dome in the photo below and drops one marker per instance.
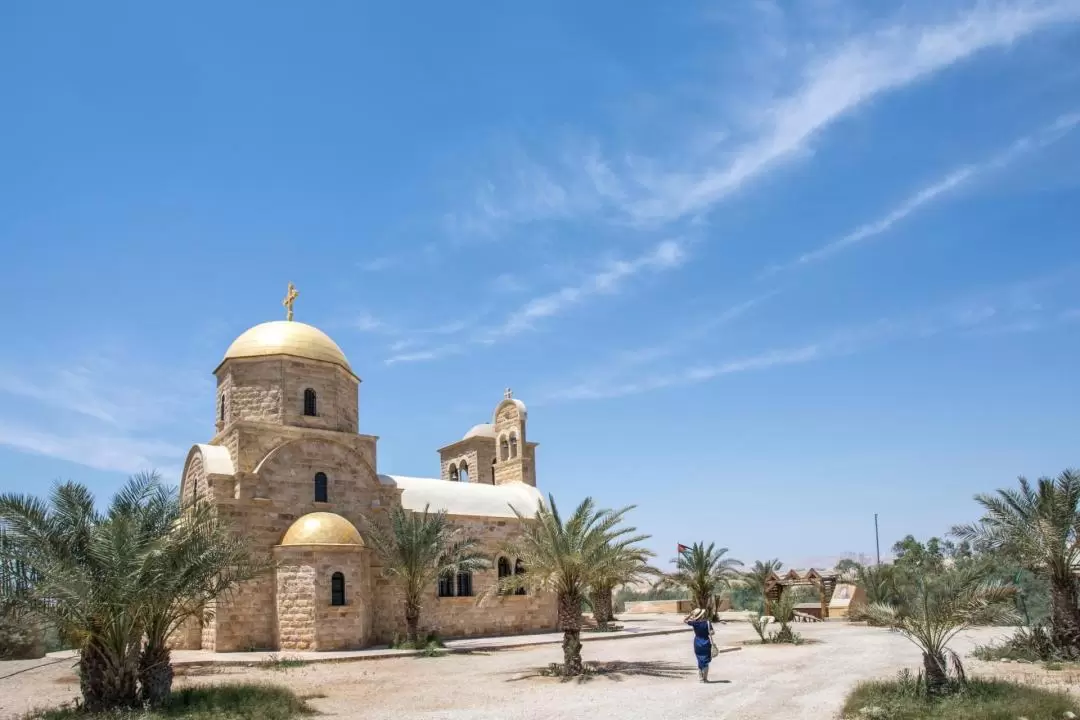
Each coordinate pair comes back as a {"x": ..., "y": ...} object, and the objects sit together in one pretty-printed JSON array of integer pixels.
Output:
[
  {"x": 287, "y": 337},
  {"x": 322, "y": 528}
]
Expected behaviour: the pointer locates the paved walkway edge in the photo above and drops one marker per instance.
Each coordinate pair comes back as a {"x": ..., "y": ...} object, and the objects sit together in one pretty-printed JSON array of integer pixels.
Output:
[{"x": 494, "y": 645}]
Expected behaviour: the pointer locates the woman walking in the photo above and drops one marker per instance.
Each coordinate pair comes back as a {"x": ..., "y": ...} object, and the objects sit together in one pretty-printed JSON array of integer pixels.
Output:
[{"x": 703, "y": 646}]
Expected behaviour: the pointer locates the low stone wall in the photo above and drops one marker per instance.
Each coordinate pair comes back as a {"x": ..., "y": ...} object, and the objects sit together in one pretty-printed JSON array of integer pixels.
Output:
[{"x": 638, "y": 607}]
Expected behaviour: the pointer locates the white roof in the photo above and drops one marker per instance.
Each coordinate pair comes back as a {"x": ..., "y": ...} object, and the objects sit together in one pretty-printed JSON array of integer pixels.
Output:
[
  {"x": 458, "y": 498},
  {"x": 486, "y": 430},
  {"x": 216, "y": 460}
]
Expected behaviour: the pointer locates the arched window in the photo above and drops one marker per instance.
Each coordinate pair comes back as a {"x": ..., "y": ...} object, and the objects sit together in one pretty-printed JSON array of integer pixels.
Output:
[
  {"x": 504, "y": 449},
  {"x": 310, "y": 407},
  {"x": 454, "y": 473},
  {"x": 464, "y": 584},
  {"x": 221, "y": 408},
  {"x": 493, "y": 461},
  {"x": 337, "y": 589},
  {"x": 504, "y": 569},
  {"x": 463, "y": 472},
  {"x": 321, "y": 492},
  {"x": 519, "y": 569},
  {"x": 513, "y": 445},
  {"x": 446, "y": 585}
]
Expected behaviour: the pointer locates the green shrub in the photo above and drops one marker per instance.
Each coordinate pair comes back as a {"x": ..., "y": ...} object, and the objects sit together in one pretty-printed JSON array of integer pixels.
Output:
[
  {"x": 1033, "y": 644},
  {"x": 904, "y": 699},
  {"x": 249, "y": 701}
]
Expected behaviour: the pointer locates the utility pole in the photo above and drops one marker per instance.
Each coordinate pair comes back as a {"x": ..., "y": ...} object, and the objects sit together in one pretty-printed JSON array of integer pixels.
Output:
[{"x": 877, "y": 540}]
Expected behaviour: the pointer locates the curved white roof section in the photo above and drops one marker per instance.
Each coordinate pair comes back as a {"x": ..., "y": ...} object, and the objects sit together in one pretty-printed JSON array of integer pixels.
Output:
[
  {"x": 484, "y": 430},
  {"x": 458, "y": 498},
  {"x": 216, "y": 460}
]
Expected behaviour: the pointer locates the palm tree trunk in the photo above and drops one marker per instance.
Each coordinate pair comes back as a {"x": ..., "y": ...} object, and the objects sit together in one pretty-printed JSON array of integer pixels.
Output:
[
  {"x": 1065, "y": 616},
  {"x": 155, "y": 673},
  {"x": 570, "y": 622},
  {"x": 412, "y": 622},
  {"x": 937, "y": 680},
  {"x": 602, "y": 606},
  {"x": 107, "y": 682}
]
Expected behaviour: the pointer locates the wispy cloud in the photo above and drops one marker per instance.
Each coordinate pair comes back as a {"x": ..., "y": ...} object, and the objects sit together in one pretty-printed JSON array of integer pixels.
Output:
[
  {"x": 610, "y": 279},
  {"x": 107, "y": 411},
  {"x": 937, "y": 189},
  {"x": 378, "y": 264},
  {"x": 116, "y": 453},
  {"x": 607, "y": 281},
  {"x": 645, "y": 191},
  {"x": 1007, "y": 310}
]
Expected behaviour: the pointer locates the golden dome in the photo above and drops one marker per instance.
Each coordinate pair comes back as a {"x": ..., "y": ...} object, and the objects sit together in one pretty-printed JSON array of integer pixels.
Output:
[
  {"x": 287, "y": 337},
  {"x": 322, "y": 528}
]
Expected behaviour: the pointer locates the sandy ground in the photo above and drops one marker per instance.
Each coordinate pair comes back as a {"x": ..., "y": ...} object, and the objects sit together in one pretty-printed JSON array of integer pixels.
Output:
[{"x": 654, "y": 678}]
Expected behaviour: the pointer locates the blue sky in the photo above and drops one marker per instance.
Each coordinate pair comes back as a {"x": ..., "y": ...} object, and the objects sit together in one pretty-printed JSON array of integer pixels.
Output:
[{"x": 762, "y": 268}]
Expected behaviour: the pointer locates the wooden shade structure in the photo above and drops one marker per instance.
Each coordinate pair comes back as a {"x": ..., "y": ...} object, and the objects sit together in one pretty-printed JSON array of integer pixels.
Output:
[{"x": 824, "y": 581}]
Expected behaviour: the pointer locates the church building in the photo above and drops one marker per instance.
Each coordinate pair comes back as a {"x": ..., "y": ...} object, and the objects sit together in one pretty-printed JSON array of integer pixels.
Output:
[{"x": 289, "y": 469}]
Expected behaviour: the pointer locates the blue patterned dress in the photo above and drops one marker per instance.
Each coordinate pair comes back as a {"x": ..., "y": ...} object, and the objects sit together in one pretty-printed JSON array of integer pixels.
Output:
[{"x": 702, "y": 643}]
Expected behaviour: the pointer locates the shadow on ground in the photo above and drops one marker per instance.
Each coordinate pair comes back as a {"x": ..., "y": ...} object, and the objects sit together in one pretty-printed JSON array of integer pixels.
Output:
[{"x": 615, "y": 670}]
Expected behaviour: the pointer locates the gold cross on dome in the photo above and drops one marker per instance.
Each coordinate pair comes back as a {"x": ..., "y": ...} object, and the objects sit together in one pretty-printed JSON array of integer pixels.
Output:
[
  {"x": 507, "y": 394},
  {"x": 290, "y": 298}
]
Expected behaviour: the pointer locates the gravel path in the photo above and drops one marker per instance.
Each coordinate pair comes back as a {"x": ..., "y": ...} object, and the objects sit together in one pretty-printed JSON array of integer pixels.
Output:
[{"x": 653, "y": 677}]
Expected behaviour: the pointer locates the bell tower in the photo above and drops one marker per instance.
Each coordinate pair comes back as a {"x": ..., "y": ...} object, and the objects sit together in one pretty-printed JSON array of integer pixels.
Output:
[{"x": 515, "y": 456}]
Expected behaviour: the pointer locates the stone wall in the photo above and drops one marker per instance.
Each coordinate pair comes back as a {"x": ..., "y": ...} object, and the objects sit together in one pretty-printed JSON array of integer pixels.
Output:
[
  {"x": 336, "y": 393},
  {"x": 658, "y": 606},
  {"x": 271, "y": 390},
  {"x": 467, "y": 616}
]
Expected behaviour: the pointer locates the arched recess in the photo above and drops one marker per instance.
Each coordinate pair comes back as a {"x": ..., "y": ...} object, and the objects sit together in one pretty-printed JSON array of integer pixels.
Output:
[
  {"x": 504, "y": 448},
  {"x": 463, "y": 472},
  {"x": 355, "y": 462},
  {"x": 201, "y": 463},
  {"x": 454, "y": 477},
  {"x": 513, "y": 444}
]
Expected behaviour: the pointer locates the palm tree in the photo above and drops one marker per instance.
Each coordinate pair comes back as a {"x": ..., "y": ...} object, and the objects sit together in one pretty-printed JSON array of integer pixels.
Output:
[
  {"x": 108, "y": 579},
  {"x": 1038, "y": 526},
  {"x": 755, "y": 578},
  {"x": 703, "y": 572},
  {"x": 85, "y": 566},
  {"x": 937, "y": 608},
  {"x": 566, "y": 559},
  {"x": 419, "y": 548},
  {"x": 197, "y": 560},
  {"x": 627, "y": 565}
]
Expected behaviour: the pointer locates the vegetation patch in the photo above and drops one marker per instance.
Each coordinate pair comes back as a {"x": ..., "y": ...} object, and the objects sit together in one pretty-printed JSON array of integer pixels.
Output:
[
  {"x": 1027, "y": 644},
  {"x": 903, "y": 699},
  {"x": 282, "y": 664},
  {"x": 217, "y": 702},
  {"x": 604, "y": 629},
  {"x": 430, "y": 644}
]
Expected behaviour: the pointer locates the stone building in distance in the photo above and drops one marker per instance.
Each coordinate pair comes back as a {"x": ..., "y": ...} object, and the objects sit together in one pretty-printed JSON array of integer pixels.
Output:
[{"x": 290, "y": 470}]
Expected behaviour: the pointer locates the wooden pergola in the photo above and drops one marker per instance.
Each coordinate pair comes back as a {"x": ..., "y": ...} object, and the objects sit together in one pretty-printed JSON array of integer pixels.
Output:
[{"x": 824, "y": 581}]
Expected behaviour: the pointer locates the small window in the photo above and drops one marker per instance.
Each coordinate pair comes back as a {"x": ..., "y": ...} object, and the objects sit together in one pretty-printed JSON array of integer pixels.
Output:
[
  {"x": 310, "y": 407},
  {"x": 519, "y": 569},
  {"x": 453, "y": 473},
  {"x": 221, "y": 408},
  {"x": 337, "y": 589},
  {"x": 321, "y": 492},
  {"x": 463, "y": 472},
  {"x": 493, "y": 461},
  {"x": 446, "y": 585},
  {"x": 504, "y": 570},
  {"x": 464, "y": 584},
  {"x": 513, "y": 445}
]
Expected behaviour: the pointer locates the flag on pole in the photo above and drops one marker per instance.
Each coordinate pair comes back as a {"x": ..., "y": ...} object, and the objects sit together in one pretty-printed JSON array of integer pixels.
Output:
[{"x": 681, "y": 548}]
